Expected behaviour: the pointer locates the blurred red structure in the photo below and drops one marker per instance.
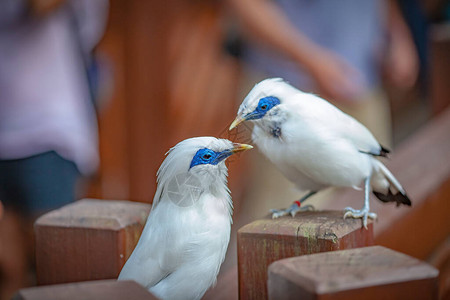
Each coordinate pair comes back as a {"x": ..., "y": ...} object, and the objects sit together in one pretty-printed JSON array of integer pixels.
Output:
[{"x": 173, "y": 80}]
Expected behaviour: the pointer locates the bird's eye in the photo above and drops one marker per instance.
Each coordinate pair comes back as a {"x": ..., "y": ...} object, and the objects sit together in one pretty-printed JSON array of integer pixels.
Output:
[
  {"x": 206, "y": 156},
  {"x": 264, "y": 107}
]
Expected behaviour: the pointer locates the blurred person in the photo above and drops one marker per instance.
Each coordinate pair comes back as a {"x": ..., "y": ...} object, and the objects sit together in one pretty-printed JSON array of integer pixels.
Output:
[
  {"x": 48, "y": 129},
  {"x": 337, "y": 49}
]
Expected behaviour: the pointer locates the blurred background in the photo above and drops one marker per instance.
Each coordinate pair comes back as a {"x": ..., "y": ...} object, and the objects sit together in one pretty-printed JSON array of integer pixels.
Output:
[{"x": 94, "y": 93}]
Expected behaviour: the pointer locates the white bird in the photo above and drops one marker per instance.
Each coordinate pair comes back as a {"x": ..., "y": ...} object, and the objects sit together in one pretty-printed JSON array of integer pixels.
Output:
[
  {"x": 187, "y": 232},
  {"x": 315, "y": 145}
]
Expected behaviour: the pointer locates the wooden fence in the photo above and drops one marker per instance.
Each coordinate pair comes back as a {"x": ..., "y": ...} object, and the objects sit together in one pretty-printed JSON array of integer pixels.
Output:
[{"x": 91, "y": 240}]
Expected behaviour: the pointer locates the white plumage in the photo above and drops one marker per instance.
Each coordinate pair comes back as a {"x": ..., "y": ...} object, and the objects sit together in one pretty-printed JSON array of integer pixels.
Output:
[
  {"x": 315, "y": 145},
  {"x": 184, "y": 242}
]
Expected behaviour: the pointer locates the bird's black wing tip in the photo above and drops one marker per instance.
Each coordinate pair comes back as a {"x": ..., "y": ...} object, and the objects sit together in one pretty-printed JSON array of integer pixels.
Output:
[
  {"x": 405, "y": 199},
  {"x": 398, "y": 198},
  {"x": 384, "y": 151}
]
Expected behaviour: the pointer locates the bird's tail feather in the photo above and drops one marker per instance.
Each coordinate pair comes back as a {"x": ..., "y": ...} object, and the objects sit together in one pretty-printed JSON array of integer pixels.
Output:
[{"x": 395, "y": 192}]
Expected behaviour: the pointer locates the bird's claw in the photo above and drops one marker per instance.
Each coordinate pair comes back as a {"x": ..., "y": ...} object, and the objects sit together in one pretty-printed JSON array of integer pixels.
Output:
[
  {"x": 307, "y": 207},
  {"x": 363, "y": 214},
  {"x": 293, "y": 210},
  {"x": 277, "y": 213}
]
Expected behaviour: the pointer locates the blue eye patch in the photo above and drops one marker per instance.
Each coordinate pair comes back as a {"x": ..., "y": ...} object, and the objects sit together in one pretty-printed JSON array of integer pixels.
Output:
[
  {"x": 207, "y": 156},
  {"x": 264, "y": 105}
]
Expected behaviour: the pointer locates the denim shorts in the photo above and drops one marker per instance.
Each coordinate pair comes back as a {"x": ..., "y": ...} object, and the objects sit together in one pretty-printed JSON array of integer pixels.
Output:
[{"x": 37, "y": 184}]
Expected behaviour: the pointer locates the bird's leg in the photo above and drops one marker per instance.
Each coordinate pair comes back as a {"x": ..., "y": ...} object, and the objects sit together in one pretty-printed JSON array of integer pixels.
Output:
[
  {"x": 294, "y": 208},
  {"x": 364, "y": 212}
]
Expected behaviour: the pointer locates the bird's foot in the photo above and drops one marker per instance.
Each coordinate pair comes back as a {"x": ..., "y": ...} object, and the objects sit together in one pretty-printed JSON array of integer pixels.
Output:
[
  {"x": 360, "y": 214},
  {"x": 292, "y": 210}
]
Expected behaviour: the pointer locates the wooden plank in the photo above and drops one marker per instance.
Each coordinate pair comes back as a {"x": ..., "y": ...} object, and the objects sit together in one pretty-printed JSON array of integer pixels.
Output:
[
  {"x": 264, "y": 241},
  {"x": 147, "y": 25},
  {"x": 112, "y": 178},
  {"x": 87, "y": 240},
  {"x": 364, "y": 273},
  {"x": 91, "y": 290}
]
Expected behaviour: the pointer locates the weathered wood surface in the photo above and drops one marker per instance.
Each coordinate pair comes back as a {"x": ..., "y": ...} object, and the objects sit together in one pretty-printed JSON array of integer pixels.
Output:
[
  {"x": 90, "y": 290},
  {"x": 364, "y": 273},
  {"x": 87, "y": 240},
  {"x": 264, "y": 241}
]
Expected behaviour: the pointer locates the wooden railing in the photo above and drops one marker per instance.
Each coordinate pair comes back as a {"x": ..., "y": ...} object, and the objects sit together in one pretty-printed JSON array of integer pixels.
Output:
[
  {"x": 422, "y": 165},
  {"x": 264, "y": 241},
  {"x": 91, "y": 239}
]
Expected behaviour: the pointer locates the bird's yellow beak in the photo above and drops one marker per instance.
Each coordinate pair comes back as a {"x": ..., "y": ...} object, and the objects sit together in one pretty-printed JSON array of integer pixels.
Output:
[
  {"x": 236, "y": 122},
  {"x": 240, "y": 147}
]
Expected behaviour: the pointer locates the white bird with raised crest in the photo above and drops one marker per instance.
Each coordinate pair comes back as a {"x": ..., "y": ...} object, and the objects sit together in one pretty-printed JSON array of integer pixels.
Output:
[
  {"x": 316, "y": 145},
  {"x": 186, "y": 236}
]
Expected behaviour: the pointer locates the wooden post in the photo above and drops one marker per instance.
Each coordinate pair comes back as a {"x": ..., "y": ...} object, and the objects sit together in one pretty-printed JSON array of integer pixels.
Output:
[
  {"x": 91, "y": 290},
  {"x": 264, "y": 241},
  {"x": 363, "y": 273},
  {"x": 87, "y": 240}
]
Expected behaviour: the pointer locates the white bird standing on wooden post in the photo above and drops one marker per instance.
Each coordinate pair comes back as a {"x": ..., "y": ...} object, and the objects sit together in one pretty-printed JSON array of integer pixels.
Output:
[
  {"x": 315, "y": 145},
  {"x": 187, "y": 232}
]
